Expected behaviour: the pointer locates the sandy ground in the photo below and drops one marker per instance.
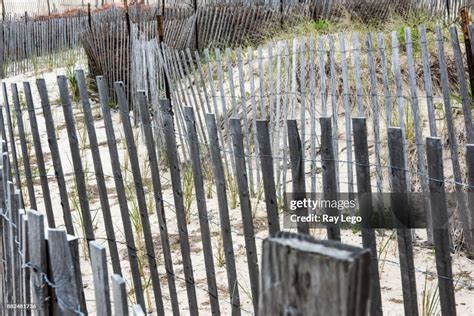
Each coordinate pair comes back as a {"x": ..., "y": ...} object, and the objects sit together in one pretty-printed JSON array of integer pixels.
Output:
[{"x": 389, "y": 269}]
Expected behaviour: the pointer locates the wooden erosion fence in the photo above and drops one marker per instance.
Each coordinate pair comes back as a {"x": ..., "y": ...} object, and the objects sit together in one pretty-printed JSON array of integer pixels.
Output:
[
  {"x": 40, "y": 270},
  {"x": 263, "y": 136}
]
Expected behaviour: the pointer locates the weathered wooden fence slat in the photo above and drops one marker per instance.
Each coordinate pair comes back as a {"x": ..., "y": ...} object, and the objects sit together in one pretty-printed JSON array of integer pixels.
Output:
[
  {"x": 399, "y": 203},
  {"x": 140, "y": 194},
  {"x": 121, "y": 193},
  {"x": 440, "y": 226},
  {"x": 367, "y": 209}
]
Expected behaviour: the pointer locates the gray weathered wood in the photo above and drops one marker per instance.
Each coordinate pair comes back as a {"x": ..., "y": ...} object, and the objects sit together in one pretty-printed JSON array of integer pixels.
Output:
[
  {"x": 38, "y": 151},
  {"x": 173, "y": 160},
  {"x": 16, "y": 267},
  {"x": 121, "y": 193},
  {"x": 268, "y": 176},
  {"x": 99, "y": 172},
  {"x": 55, "y": 155},
  {"x": 226, "y": 231},
  {"x": 38, "y": 262},
  {"x": 140, "y": 193},
  {"x": 76, "y": 158},
  {"x": 243, "y": 97},
  {"x": 158, "y": 196},
  {"x": 434, "y": 152},
  {"x": 347, "y": 115},
  {"x": 312, "y": 101},
  {"x": 428, "y": 83},
  {"x": 24, "y": 153},
  {"x": 11, "y": 136},
  {"x": 448, "y": 112},
  {"x": 62, "y": 266},
  {"x": 361, "y": 151},
  {"x": 245, "y": 208},
  {"x": 328, "y": 164},
  {"x": 101, "y": 279},
  {"x": 297, "y": 171},
  {"x": 8, "y": 243},
  {"x": 466, "y": 101},
  {"x": 334, "y": 106},
  {"x": 25, "y": 258},
  {"x": 308, "y": 268},
  {"x": 119, "y": 293},
  {"x": 386, "y": 86},
  {"x": 374, "y": 102},
  {"x": 421, "y": 161},
  {"x": 357, "y": 74},
  {"x": 399, "y": 90},
  {"x": 399, "y": 204},
  {"x": 202, "y": 208}
]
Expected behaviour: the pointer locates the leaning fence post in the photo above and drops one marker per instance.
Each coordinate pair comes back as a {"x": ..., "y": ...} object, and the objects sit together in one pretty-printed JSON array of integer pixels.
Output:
[
  {"x": 440, "y": 226},
  {"x": 62, "y": 266},
  {"x": 100, "y": 275},
  {"x": 318, "y": 277},
  {"x": 119, "y": 292}
]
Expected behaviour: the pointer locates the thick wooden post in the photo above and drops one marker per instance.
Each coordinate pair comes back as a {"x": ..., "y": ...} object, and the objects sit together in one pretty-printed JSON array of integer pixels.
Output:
[
  {"x": 304, "y": 276},
  {"x": 38, "y": 263},
  {"x": 64, "y": 273}
]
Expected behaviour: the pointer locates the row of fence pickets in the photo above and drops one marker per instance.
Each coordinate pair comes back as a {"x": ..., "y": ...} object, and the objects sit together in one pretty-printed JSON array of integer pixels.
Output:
[
  {"x": 25, "y": 41},
  {"x": 40, "y": 268},
  {"x": 15, "y": 9},
  {"x": 70, "y": 293}
]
